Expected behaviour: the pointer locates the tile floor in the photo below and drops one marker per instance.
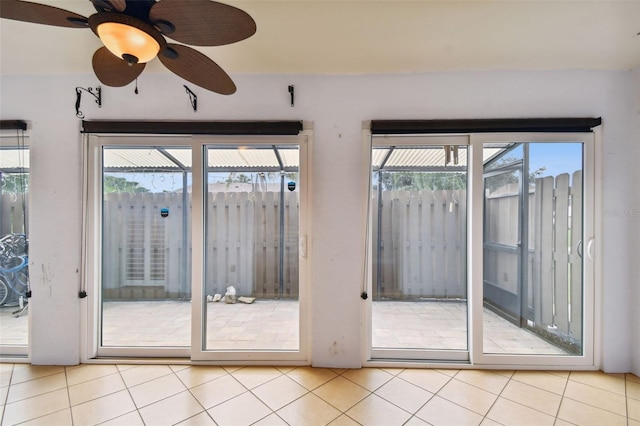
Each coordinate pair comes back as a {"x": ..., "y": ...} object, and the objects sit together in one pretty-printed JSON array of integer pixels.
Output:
[
  {"x": 273, "y": 324},
  {"x": 214, "y": 395}
]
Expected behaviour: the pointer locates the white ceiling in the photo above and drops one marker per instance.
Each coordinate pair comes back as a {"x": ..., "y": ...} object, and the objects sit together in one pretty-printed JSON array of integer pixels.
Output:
[{"x": 364, "y": 37}]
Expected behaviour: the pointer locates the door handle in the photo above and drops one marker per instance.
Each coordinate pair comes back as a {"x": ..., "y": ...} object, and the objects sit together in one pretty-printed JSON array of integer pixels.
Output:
[
  {"x": 590, "y": 250},
  {"x": 579, "y": 248}
]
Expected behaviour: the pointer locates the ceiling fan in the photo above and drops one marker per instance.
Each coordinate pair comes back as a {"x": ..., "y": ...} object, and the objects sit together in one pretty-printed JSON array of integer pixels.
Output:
[{"x": 133, "y": 33}]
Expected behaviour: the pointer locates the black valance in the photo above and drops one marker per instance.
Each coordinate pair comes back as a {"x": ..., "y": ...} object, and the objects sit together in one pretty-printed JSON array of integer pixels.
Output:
[
  {"x": 491, "y": 125},
  {"x": 194, "y": 127},
  {"x": 13, "y": 125}
]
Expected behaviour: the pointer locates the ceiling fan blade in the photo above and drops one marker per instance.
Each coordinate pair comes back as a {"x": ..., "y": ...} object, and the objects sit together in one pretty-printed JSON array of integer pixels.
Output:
[
  {"x": 113, "y": 71},
  {"x": 197, "y": 68},
  {"x": 202, "y": 22},
  {"x": 41, "y": 14}
]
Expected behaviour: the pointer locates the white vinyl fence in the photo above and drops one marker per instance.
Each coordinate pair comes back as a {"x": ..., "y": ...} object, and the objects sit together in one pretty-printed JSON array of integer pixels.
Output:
[{"x": 144, "y": 253}]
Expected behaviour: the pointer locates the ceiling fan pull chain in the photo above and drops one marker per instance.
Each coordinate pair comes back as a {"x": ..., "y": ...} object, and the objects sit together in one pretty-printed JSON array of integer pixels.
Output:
[{"x": 136, "y": 91}]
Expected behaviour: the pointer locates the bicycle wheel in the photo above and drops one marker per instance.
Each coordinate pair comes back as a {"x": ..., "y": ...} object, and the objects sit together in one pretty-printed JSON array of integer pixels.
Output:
[
  {"x": 4, "y": 290},
  {"x": 21, "y": 282}
]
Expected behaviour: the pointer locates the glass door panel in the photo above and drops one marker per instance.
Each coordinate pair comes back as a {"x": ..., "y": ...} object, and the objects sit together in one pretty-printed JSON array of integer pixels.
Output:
[
  {"x": 533, "y": 247},
  {"x": 14, "y": 263},
  {"x": 251, "y": 255},
  {"x": 419, "y": 284},
  {"x": 146, "y": 251}
]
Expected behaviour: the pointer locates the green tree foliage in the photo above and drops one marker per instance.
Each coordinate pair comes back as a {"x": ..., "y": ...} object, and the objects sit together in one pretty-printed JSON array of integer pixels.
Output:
[
  {"x": 118, "y": 184},
  {"x": 418, "y": 181},
  {"x": 15, "y": 183}
]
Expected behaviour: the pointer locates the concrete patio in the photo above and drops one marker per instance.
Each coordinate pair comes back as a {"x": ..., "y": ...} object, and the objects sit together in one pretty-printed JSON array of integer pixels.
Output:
[{"x": 273, "y": 325}]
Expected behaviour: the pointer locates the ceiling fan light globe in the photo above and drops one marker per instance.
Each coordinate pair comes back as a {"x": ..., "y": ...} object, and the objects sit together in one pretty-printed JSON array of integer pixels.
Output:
[{"x": 122, "y": 39}]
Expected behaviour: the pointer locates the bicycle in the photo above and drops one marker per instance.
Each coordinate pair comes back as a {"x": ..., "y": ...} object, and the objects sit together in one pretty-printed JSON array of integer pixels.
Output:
[{"x": 14, "y": 272}]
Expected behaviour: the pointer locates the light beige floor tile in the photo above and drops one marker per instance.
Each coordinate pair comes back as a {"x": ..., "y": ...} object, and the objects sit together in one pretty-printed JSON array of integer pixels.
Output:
[
  {"x": 84, "y": 373},
  {"x": 38, "y": 406},
  {"x": 124, "y": 367},
  {"x": 587, "y": 415},
  {"x": 440, "y": 412},
  {"x": 560, "y": 422},
  {"x": 217, "y": 391},
  {"x": 633, "y": 408},
  {"x": 179, "y": 367},
  {"x": 5, "y": 376},
  {"x": 634, "y": 422},
  {"x": 271, "y": 420},
  {"x": 511, "y": 413},
  {"x": 95, "y": 388},
  {"x": 310, "y": 377},
  {"x": 467, "y": 396},
  {"x": 6, "y": 367},
  {"x": 504, "y": 373},
  {"x": 374, "y": 411},
  {"x": 430, "y": 380},
  {"x": 199, "y": 374},
  {"x": 341, "y": 393},
  {"x": 369, "y": 378},
  {"x": 447, "y": 371},
  {"x": 202, "y": 419},
  {"x": 542, "y": 380},
  {"x": 251, "y": 377},
  {"x": 405, "y": 395},
  {"x": 25, "y": 372},
  {"x": 632, "y": 377},
  {"x": 609, "y": 382},
  {"x": 129, "y": 419},
  {"x": 532, "y": 397},
  {"x": 36, "y": 387},
  {"x": 62, "y": 417},
  {"x": 144, "y": 373},
  {"x": 279, "y": 392},
  {"x": 244, "y": 409},
  {"x": 488, "y": 422},
  {"x": 344, "y": 420},
  {"x": 633, "y": 389},
  {"x": 103, "y": 409},
  {"x": 482, "y": 379},
  {"x": 171, "y": 410},
  {"x": 416, "y": 421},
  {"x": 4, "y": 391},
  {"x": 232, "y": 368},
  {"x": 155, "y": 390},
  {"x": 393, "y": 371},
  {"x": 309, "y": 410},
  {"x": 560, "y": 373},
  {"x": 597, "y": 397}
]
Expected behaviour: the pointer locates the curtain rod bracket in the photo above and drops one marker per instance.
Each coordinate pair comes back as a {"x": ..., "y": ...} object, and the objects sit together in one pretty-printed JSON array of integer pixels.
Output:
[
  {"x": 193, "y": 98},
  {"x": 96, "y": 93}
]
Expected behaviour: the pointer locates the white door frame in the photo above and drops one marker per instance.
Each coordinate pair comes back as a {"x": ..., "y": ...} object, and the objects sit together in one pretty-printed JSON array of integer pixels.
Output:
[
  {"x": 592, "y": 223},
  {"x": 91, "y": 312},
  {"x": 271, "y": 357}
]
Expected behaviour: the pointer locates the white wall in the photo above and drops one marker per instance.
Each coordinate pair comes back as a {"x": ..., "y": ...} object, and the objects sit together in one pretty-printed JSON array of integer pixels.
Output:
[
  {"x": 336, "y": 105},
  {"x": 635, "y": 303}
]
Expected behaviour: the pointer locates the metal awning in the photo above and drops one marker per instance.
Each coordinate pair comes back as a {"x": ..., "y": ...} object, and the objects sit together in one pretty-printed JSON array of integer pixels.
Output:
[
  {"x": 248, "y": 158},
  {"x": 14, "y": 160}
]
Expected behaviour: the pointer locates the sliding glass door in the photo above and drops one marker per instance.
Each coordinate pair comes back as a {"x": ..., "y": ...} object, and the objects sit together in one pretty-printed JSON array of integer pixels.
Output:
[
  {"x": 250, "y": 302},
  {"x": 202, "y": 247},
  {"x": 482, "y": 249},
  {"x": 535, "y": 228},
  {"x": 419, "y": 248}
]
